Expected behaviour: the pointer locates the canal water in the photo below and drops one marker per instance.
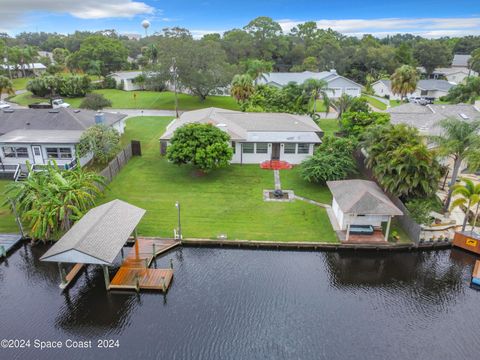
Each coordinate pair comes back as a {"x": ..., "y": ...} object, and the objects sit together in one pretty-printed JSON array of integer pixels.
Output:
[{"x": 251, "y": 304}]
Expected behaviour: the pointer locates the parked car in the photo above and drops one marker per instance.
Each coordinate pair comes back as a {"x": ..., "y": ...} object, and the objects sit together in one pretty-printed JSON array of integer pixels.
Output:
[
  {"x": 59, "y": 103},
  {"x": 4, "y": 105}
]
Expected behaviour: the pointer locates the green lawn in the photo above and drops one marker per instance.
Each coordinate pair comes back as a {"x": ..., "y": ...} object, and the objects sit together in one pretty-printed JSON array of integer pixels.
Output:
[
  {"x": 227, "y": 201},
  {"x": 20, "y": 83},
  {"x": 7, "y": 220},
  {"x": 144, "y": 100},
  {"x": 394, "y": 103},
  {"x": 329, "y": 126},
  {"x": 375, "y": 102}
]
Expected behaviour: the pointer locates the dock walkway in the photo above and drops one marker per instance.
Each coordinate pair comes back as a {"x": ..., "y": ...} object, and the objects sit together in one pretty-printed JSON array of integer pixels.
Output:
[
  {"x": 7, "y": 242},
  {"x": 135, "y": 274}
]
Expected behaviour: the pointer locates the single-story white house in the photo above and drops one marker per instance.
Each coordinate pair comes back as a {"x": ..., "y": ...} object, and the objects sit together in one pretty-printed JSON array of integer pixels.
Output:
[
  {"x": 360, "y": 203},
  {"x": 428, "y": 88},
  {"x": 256, "y": 137},
  {"x": 337, "y": 84},
  {"x": 127, "y": 78},
  {"x": 41, "y": 135}
]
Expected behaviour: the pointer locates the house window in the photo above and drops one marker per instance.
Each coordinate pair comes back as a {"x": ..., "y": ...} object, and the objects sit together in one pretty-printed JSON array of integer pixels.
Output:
[
  {"x": 15, "y": 152},
  {"x": 289, "y": 148},
  {"x": 303, "y": 148},
  {"x": 262, "y": 148},
  {"x": 59, "y": 153},
  {"x": 248, "y": 148},
  {"x": 234, "y": 145}
]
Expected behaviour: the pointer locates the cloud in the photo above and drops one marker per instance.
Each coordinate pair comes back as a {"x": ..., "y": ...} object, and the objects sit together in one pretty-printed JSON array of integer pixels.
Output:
[
  {"x": 14, "y": 11},
  {"x": 427, "y": 27}
]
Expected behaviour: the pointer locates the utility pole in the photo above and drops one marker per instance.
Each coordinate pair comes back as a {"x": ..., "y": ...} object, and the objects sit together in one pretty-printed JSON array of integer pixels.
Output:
[{"x": 173, "y": 70}]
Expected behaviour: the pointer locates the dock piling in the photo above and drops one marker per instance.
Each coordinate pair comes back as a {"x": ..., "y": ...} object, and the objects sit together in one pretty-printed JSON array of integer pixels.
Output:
[{"x": 171, "y": 263}]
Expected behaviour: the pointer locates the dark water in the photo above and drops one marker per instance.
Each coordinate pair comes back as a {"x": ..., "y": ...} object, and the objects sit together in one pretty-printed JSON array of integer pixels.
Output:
[{"x": 244, "y": 304}]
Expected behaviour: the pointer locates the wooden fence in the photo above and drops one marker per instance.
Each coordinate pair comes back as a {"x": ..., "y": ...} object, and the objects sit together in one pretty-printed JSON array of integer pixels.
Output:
[
  {"x": 406, "y": 222},
  {"x": 114, "y": 166}
]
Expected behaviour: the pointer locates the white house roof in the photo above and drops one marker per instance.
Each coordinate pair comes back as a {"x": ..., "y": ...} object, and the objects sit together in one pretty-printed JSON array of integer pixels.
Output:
[
  {"x": 460, "y": 60},
  {"x": 283, "y": 78},
  {"x": 41, "y": 136},
  {"x": 126, "y": 75},
  {"x": 362, "y": 197},
  {"x": 427, "y": 118},
  {"x": 33, "y": 66},
  {"x": 242, "y": 126},
  {"x": 98, "y": 236}
]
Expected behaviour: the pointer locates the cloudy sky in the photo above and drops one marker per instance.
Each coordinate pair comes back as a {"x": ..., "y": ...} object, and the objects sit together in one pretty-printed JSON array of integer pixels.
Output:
[{"x": 425, "y": 17}]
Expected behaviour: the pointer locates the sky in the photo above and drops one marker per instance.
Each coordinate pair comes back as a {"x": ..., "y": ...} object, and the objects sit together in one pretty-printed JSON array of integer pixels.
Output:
[{"x": 352, "y": 17}]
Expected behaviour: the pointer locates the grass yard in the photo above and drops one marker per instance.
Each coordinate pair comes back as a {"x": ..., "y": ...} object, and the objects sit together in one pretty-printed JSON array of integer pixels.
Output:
[
  {"x": 394, "y": 103},
  {"x": 144, "y": 100},
  {"x": 20, "y": 83},
  {"x": 375, "y": 102},
  {"x": 228, "y": 201},
  {"x": 7, "y": 220},
  {"x": 329, "y": 126}
]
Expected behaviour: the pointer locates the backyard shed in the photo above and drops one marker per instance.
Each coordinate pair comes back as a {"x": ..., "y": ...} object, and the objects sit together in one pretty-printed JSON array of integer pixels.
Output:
[{"x": 359, "y": 204}]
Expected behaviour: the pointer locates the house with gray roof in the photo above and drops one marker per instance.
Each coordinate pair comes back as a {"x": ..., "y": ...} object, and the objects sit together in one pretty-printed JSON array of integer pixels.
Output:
[
  {"x": 460, "y": 60},
  {"x": 41, "y": 135},
  {"x": 337, "y": 84},
  {"x": 256, "y": 137},
  {"x": 359, "y": 204},
  {"x": 425, "y": 88},
  {"x": 426, "y": 118},
  {"x": 458, "y": 71}
]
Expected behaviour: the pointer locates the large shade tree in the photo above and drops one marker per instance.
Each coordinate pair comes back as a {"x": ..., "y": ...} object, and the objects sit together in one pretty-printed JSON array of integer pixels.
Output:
[
  {"x": 204, "y": 146},
  {"x": 404, "y": 80},
  {"x": 459, "y": 140},
  {"x": 51, "y": 201}
]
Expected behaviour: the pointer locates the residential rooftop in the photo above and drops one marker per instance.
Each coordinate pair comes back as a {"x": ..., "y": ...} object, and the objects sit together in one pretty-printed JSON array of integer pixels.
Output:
[
  {"x": 460, "y": 60},
  {"x": 42, "y": 136},
  {"x": 283, "y": 78},
  {"x": 430, "y": 84}
]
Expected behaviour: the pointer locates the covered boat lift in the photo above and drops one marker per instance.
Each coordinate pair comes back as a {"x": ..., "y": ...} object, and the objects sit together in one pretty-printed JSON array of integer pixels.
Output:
[{"x": 97, "y": 239}]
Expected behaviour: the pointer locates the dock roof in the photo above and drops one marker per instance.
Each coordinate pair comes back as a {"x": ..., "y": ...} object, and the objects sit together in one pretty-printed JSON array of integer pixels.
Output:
[{"x": 98, "y": 236}]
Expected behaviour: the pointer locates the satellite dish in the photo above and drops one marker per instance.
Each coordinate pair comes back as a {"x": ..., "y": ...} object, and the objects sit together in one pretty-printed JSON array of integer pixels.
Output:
[{"x": 146, "y": 25}]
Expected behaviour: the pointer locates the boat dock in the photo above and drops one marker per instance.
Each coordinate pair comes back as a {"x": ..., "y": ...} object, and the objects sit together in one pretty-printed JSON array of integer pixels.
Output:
[
  {"x": 7, "y": 242},
  {"x": 135, "y": 272}
]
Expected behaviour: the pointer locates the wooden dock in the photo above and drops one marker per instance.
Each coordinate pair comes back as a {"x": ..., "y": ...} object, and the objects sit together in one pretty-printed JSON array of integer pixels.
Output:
[
  {"x": 76, "y": 269},
  {"x": 7, "y": 242},
  {"x": 476, "y": 270},
  {"x": 135, "y": 274}
]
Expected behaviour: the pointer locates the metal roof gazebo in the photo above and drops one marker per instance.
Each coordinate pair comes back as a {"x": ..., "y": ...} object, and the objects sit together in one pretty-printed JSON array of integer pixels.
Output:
[{"x": 97, "y": 238}]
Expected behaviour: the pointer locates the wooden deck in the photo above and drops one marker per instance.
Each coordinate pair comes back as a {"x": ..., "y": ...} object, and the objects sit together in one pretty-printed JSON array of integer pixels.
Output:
[
  {"x": 7, "y": 242},
  {"x": 376, "y": 238},
  {"x": 476, "y": 270},
  {"x": 135, "y": 274}
]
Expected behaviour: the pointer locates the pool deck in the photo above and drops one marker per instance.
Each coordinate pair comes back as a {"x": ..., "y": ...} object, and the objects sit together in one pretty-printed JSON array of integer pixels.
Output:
[
  {"x": 135, "y": 274},
  {"x": 7, "y": 242}
]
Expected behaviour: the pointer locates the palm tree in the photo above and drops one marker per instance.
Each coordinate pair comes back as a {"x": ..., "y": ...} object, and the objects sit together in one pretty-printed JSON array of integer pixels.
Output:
[
  {"x": 257, "y": 68},
  {"x": 342, "y": 104},
  {"x": 460, "y": 140},
  {"x": 404, "y": 80},
  {"x": 52, "y": 200},
  {"x": 469, "y": 195},
  {"x": 5, "y": 85},
  {"x": 316, "y": 89},
  {"x": 242, "y": 87}
]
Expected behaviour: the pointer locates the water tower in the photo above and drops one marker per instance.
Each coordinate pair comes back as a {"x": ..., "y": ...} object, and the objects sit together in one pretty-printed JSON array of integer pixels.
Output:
[{"x": 146, "y": 25}]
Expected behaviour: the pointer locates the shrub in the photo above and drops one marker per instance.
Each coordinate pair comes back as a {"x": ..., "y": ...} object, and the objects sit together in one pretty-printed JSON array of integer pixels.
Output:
[
  {"x": 420, "y": 208},
  {"x": 95, "y": 102},
  {"x": 68, "y": 86},
  {"x": 355, "y": 123},
  {"x": 109, "y": 83},
  {"x": 100, "y": 140}
]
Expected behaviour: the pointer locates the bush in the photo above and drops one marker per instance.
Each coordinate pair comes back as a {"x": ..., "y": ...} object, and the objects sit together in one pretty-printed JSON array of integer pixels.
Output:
[
  {"x": 355, "y": 123},
  {"x": 121, "y": 85},
  {"x": 100, "y": 140},
  {"x": 419, "y": 209},
  {"x": 109, "y": 83},
  {"x": 332, "y": 160},
  {"x": 95, "y": 102},
  {"x": 68, "y": 86}
]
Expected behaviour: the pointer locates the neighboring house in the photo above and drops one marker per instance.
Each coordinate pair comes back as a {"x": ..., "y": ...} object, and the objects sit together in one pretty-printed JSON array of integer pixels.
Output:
[
  {"x": 256, "y": 137},
  {"x": 34, "y": 69},
  {"x": 456, "y": 73},
  {"x": 337, "y": 84},
  {"x": 360, "y": 203},
  {"x": 126, "y": 79},
  {"x": 427, "y": 88},
  {"x": 41, "y": 135},
  {"x": 426, "y": 118}
]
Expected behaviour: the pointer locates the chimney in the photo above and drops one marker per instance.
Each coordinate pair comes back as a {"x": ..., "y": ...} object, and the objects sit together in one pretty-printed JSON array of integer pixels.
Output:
[{"x": 99, "y": 118}]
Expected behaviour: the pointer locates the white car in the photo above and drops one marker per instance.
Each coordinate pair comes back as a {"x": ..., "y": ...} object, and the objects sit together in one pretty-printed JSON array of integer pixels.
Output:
[
  {"x": 59, "y": 103},
  {"x": 4, "y": 105}
]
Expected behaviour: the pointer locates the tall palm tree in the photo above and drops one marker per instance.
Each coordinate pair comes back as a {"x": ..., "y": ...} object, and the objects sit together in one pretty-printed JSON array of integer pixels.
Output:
[
  {"x": 5, "y": 85},
  {"x": 404, "y": 80},
  {"x": 342, "y": 104},
  {"x": 52, "y": 200},
  {"x": 316, "y": 88},
  {"x": 460, "y": 140},
  {"x": 469, "y": 195},
  {"x": 242, "y": 87}
]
